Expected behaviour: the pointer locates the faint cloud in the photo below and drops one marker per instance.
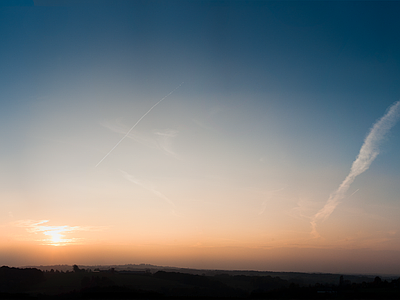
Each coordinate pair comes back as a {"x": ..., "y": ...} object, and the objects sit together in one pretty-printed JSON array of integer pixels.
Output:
[
  {"x": 54, "y": 235},
  {"x": 270, "y": 195},
  {"x": 147, "y": 186},
  {"x": 164, "y": 140},
  {"x": 207, "y": 119},
  {"x": 122, "y": 129},
  {"x": 160, "y": 139},
  {"x": 303, "y": 209},
  {"x": 202, "y": 124}
]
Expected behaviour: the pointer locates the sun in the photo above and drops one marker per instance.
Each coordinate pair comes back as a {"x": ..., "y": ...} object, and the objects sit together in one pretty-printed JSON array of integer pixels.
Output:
[{"x": 57, "y": 238}]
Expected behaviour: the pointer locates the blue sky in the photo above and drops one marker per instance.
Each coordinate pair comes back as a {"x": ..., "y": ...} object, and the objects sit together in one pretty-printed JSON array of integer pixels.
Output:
[{"x": 277, "y": 100}]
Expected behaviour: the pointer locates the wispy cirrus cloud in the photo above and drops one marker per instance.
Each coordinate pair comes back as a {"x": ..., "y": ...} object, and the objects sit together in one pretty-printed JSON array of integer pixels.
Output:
[
  {"x": 368, "y": 152},
  {"x": 274, "y": 194},
  {"x": 51, "y": 234},
  {"x": 137, "y": 122},
  {"x": 147, "y": 186},
  {"x": 159, "y": 139},
  {"x": 165, "y": 140}
]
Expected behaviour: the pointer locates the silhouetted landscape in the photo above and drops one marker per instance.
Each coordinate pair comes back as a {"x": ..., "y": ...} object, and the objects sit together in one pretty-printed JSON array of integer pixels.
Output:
[{"x": 153, "y": 282}]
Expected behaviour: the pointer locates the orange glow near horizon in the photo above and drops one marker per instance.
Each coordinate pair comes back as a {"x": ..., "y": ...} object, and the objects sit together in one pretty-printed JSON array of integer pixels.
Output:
[
  {"x": 334, "y": 260},
  {"x": 39, "y": 232}
]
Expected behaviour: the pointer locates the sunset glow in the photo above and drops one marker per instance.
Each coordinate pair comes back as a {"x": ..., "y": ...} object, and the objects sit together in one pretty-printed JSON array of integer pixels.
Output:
[
  {"x": 42, "y": 233},
  {"x": 57, "y": 239}
]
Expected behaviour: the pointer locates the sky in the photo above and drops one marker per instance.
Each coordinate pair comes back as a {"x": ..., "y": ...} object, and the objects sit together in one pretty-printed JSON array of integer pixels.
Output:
[{"x": 254, "y": 135}]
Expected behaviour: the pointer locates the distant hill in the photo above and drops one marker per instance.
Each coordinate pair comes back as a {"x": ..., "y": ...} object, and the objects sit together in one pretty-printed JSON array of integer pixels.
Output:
[
  {"x": 155, "y": 282},
  {"x": 303, "y": 279}
]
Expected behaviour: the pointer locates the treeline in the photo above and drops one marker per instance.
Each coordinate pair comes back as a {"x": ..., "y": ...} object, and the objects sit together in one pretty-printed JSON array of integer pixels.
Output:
[
  {"x": 15, "y": 279},
  {"x": 32, "y": 283}
]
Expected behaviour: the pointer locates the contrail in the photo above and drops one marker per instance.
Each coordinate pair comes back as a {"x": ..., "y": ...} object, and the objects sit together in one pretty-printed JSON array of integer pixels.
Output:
[
  {"x": 368, "y": 152},
  {"x": 354, "y": 192},
  {"x": 136, "y": 124}
]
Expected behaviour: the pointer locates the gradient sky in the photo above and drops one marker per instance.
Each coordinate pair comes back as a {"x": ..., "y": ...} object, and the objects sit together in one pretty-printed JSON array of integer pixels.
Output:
[{"x": 238, "y": 168}]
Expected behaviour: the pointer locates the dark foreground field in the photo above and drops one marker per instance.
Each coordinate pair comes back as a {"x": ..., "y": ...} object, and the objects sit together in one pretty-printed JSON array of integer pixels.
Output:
[{"x": 153, "y": 283}]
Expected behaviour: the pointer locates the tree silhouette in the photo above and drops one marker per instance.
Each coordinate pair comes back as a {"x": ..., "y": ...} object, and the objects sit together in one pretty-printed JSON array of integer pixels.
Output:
[{"x": 76, "y": 269}]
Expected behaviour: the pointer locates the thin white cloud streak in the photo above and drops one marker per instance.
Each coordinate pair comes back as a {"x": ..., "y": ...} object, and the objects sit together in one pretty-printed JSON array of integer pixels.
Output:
[
  {"x": 147, "y": 187},
  {"x": 368, "y": 152},
  {"x": 163, "y": 140},
  {"x": 141, "y": 118},
  {"x": 303, "y": 210},
  {"x": 137, "y": 137}
]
